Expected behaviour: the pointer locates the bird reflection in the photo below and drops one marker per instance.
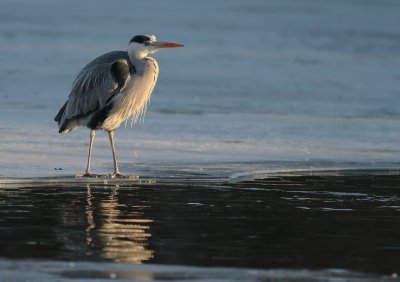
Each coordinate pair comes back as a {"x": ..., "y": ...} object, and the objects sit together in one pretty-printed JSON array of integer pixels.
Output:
[{"x": 117, "y": 230}]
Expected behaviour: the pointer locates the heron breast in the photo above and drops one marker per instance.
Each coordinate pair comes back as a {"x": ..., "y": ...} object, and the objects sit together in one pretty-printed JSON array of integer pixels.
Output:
[{"x": 133, "y": 99}]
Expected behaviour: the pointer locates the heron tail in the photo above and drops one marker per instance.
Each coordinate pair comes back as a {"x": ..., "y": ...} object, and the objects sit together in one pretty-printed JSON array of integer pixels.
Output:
[{"x": 60, "y": 113}]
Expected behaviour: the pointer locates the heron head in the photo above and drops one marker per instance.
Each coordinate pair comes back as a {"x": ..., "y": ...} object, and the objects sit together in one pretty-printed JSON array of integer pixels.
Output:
[{"x": 142, "y": 45}]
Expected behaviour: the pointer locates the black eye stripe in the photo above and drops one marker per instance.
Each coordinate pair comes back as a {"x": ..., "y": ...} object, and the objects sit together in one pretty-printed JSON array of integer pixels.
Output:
[{"x": 140, "y": 39}]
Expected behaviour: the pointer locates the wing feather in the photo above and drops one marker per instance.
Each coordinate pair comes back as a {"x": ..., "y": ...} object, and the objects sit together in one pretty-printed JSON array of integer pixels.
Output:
[{"x": 94, "y": 87}]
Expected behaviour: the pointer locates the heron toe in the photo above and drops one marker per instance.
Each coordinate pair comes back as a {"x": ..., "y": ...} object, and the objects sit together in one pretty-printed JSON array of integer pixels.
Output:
[{"x": 118, "y": 175}]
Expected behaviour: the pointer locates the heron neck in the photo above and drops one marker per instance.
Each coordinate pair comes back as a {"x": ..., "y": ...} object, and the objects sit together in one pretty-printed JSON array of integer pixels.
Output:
[
  {"x": 137, "y": 61},
  {"x": 136, "y": 56}
]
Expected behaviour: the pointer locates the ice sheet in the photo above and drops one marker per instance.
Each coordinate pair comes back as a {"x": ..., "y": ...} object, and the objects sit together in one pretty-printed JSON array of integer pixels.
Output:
[{"x": 257, "y": 81}]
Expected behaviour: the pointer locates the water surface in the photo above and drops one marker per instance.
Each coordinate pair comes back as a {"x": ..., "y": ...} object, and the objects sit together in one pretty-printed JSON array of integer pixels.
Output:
[
  {"x": 260, "y": 87},
  {"x": 341, "y": 221}
]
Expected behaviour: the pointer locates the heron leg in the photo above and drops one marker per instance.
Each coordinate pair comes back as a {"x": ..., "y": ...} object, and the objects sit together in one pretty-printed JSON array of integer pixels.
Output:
[
  {"x": 116, "y": 171},
  {"x": 92, "y": 134}
]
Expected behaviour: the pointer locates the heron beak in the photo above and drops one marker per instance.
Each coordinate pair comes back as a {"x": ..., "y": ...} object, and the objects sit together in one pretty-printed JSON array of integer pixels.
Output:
[{"x": 167, "y": 45}]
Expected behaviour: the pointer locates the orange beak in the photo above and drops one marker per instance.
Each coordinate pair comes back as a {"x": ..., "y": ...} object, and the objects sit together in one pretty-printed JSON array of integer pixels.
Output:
[{"x": 167, "y": 45}]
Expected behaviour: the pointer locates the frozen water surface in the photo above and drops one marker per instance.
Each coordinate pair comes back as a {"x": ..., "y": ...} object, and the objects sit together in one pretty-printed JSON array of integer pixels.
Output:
[
  {"x": 257, "y": 81},
  {"x": 284, "y": 87},
  {"x": 65, "y": 271}
]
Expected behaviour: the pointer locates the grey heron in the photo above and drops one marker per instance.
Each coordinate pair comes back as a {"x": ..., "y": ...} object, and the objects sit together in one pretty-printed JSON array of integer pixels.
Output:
[{"x": 110, "y": 89}]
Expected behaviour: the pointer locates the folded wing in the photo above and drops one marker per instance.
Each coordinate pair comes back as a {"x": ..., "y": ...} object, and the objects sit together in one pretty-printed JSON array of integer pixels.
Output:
[{"x": 94, "y": 87}]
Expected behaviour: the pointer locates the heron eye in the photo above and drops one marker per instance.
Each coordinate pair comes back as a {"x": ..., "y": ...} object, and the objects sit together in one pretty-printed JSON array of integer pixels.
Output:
[{"x": 147, "y": 43}]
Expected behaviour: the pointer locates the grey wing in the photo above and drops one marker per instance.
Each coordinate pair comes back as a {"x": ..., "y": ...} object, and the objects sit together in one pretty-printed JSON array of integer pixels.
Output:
[{"x": 93, "y": 88}]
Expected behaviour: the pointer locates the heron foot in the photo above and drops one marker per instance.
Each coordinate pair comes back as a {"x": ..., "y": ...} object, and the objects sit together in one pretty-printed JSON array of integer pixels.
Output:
[
  {"x": 121, "y": 176},
  {"x": 87, "y": 175},
  {"x": 118, "y": 175}
]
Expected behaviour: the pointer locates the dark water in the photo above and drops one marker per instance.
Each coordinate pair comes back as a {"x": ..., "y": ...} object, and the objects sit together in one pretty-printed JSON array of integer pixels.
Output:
[{"x": 292, "y": 222}]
